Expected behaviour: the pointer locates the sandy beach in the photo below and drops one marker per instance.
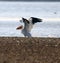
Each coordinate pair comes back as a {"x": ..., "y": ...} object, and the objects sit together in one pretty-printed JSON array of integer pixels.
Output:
[{"x": 29, "y": 50}]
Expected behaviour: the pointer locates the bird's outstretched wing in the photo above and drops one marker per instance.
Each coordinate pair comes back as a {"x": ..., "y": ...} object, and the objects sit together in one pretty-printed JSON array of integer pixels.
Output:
[{"x": 35, "y": 20}]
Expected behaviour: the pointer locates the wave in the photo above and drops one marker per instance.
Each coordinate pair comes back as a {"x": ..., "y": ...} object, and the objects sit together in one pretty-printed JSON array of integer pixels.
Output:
[
  {"x": 19, "y": 18},
  {"x": 9, "y": 19}
]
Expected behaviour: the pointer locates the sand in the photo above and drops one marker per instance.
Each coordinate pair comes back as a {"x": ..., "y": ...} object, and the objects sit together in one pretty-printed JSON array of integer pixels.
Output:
[{"x": 29, "y": 50}]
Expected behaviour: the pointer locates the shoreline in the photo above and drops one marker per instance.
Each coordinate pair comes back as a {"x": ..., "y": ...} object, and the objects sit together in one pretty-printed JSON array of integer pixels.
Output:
[{"x": 29, "y": 50}]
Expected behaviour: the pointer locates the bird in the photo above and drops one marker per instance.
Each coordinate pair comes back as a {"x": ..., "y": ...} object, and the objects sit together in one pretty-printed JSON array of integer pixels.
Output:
[{"x": 28, "y": 25}]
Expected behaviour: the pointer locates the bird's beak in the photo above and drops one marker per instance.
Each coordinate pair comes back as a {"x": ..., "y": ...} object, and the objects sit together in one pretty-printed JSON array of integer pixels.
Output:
[{"x": 19, "y": 27}]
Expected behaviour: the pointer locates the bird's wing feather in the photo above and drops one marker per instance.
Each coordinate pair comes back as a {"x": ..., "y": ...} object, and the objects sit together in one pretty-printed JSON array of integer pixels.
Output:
[{"x": 25, "y": 20}]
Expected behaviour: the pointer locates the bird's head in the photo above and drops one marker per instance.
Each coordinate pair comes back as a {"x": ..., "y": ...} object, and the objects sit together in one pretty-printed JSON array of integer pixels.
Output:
[{"x": 22, "y": 21}]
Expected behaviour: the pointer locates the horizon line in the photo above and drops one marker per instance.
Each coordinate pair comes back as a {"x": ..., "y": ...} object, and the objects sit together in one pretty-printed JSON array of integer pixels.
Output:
[{"x": 19, "y": 18}]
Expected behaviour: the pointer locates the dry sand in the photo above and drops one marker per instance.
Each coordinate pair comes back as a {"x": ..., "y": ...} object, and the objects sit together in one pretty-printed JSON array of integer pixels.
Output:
[{"x": 29, "y": 50}]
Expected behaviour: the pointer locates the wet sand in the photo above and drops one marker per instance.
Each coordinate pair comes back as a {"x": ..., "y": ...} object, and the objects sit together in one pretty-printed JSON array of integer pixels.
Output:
[{"x": 29, "y": 50}]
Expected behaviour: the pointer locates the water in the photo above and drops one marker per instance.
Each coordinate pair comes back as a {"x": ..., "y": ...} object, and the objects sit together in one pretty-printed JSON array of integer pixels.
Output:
[
  {"x": 44, "y": 29},
  {"x": 27, "y": 9}
]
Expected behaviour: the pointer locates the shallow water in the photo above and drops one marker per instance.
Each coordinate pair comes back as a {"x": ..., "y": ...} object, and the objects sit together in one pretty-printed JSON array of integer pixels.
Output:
[{"x": 43, "y": 29}]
